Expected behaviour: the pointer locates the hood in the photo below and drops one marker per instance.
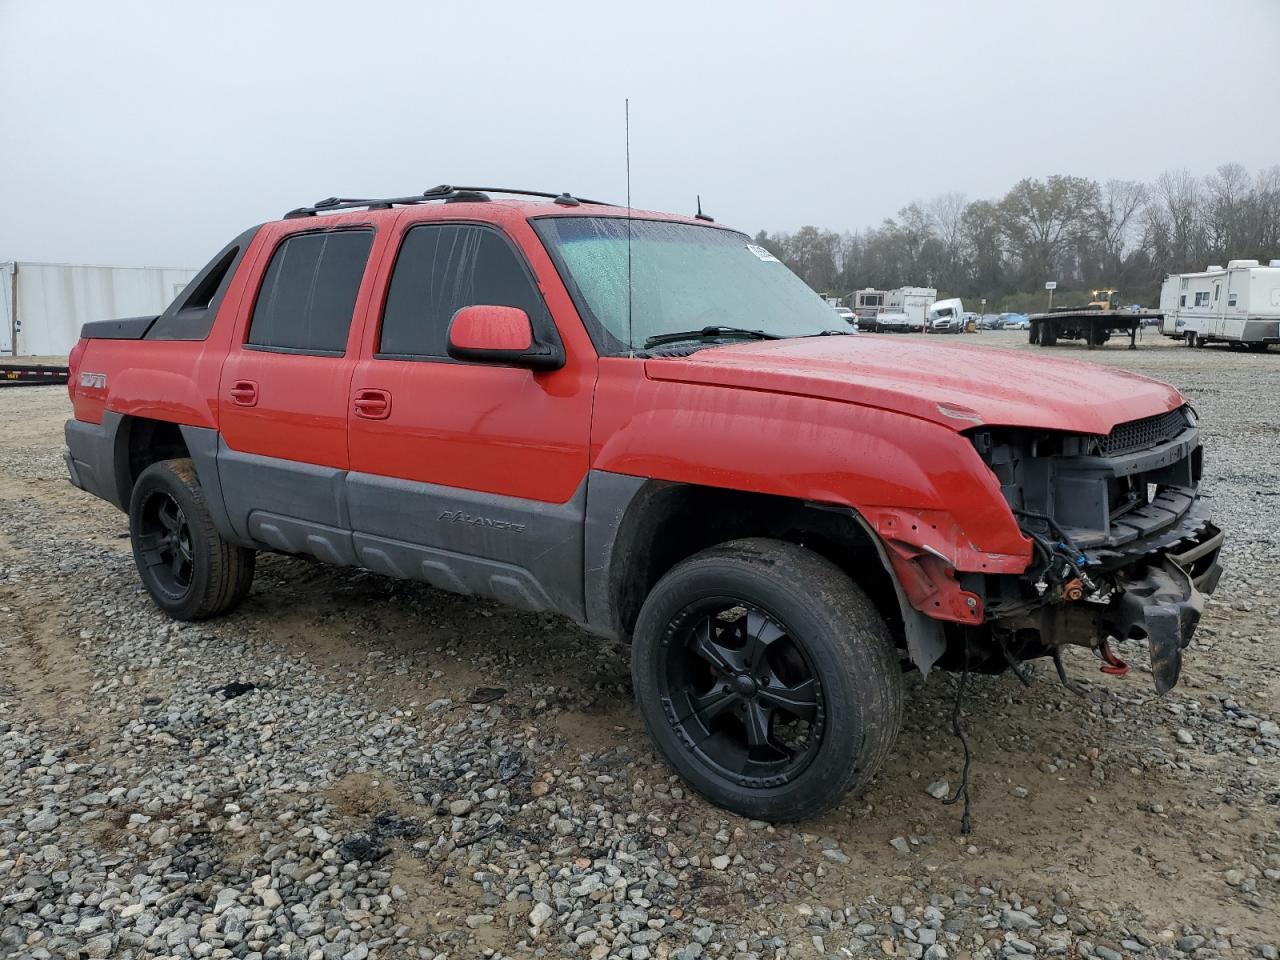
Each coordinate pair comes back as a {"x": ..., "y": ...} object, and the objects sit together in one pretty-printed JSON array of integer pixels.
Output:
[{"x": 973, "y": 385}]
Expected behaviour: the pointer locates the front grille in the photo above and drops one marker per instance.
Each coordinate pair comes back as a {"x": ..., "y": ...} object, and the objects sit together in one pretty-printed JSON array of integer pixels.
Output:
[{"x": 1145, "y": 433}]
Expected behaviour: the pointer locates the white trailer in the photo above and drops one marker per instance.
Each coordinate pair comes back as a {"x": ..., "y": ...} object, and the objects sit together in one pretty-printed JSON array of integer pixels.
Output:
[
  {"x": 1237, "y": 304},
  {"x": 43, "y": 305},
  {"x": 913, "y": 301}
]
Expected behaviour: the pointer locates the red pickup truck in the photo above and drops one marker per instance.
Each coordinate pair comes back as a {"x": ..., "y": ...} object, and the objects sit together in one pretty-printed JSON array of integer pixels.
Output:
[{"x": 646, "y": 423}]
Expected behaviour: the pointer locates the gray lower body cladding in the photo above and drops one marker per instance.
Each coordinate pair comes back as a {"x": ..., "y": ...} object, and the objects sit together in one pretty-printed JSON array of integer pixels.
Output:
[
  {"x": 526, "y": 553},
  {"x": 93, "y": 457},
  {"x": 558, "y": 557}
]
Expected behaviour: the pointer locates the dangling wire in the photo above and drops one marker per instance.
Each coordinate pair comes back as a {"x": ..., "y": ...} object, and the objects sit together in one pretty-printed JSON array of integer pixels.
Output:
[{"x": 966, "y": 821}]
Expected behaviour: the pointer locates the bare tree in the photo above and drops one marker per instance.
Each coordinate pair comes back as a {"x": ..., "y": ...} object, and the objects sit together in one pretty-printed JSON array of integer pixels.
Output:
[
  {"x": 1225, "y": 203},
  {"x": 947, "y": 212},
  {"x": 1119, "y": 206},
  {"x": 1174, "y": 220}
]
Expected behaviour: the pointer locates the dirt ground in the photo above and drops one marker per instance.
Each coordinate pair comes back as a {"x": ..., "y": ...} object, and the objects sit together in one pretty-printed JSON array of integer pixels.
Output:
[{"x": 1154, "y": 814}]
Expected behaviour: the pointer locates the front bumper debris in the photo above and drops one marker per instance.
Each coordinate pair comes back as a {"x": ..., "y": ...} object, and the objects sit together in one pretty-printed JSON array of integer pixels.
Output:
[{"x": 1163, "y": 601}]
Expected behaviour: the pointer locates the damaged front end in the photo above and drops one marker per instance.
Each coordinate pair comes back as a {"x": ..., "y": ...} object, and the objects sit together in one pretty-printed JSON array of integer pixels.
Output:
[{"x": 1122, "y": 544}]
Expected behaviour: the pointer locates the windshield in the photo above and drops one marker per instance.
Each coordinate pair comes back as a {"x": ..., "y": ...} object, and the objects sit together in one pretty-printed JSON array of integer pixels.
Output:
[{"x": 683, "y": 277}]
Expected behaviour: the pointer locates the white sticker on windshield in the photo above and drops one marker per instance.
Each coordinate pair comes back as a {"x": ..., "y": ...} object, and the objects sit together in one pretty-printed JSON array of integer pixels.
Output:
[{"x": 762, "y": 253}]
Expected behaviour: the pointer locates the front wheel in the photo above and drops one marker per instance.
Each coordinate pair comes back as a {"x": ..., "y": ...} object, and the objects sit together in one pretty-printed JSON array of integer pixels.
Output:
[
  {"x": 186, "y": 566},
  {"x": 767, "y": 679}
]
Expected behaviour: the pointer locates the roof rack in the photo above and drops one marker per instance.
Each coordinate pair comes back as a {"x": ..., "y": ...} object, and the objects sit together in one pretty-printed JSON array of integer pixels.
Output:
[{"x": 444, "y": 192}]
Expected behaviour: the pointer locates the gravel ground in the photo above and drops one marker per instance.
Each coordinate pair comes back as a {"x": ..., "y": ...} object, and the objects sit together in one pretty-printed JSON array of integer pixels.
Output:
[{"x": 352, "y": 767}]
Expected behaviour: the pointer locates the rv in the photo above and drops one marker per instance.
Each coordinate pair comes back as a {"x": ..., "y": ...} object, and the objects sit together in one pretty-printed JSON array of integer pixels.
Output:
[
  {"x": 867, "y": 303},
  {"x": 913, "y": 301},
  {"x": 1238, "y": 304}
]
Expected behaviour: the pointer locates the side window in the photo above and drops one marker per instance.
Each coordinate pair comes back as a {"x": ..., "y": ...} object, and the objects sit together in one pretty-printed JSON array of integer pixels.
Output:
[
  {"x": 1182, "y": 300},
  {"x": 309, "y": 292},
  {"x": 442, "y": 268},
  {"x": 1231, "y": 299}
]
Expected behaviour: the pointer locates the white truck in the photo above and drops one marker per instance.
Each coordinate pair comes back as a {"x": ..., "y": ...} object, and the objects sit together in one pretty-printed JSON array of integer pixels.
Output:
[
  {"x": 913, "y": 301},
  {"x": 1238, "y": 304}
]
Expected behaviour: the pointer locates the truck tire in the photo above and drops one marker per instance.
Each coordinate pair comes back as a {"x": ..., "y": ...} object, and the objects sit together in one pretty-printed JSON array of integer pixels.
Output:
[
  {"x": 1033, "y": 332},
  {"x": 1048, "y": 334},
  {"x": 767, "y": 679},
  {"x": 186, "y": 566}
]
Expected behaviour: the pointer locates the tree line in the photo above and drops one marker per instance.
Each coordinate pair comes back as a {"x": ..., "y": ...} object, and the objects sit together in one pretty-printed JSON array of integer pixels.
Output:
[{"x": 1081, "y": 233}]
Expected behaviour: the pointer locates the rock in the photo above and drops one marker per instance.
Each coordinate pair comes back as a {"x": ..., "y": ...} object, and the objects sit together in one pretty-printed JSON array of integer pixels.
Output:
[
  {"x": 939, "y": 789},
  {"x": 901, "y": 845},
  {"x": 721, "y": 862},
  {"x": 1184, "y": 736},
  {"x": 540, "y": 914},
  {"x": 460, "y": 808},
  {"x": 43, "y": 822}
]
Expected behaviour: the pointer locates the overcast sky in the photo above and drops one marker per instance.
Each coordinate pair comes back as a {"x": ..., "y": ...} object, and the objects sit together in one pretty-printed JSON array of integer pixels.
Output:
[{"x": 151, "y": 133}]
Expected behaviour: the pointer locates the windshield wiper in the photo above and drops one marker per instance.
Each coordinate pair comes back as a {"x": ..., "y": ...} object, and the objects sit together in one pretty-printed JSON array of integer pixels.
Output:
[
  {"x": 832, "y": 333},
  {"x": 709, "y": 333}
]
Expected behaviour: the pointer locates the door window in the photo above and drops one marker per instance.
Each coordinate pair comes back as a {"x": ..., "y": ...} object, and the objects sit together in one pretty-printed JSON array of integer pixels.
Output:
[
  {"x": 309, "y": 293},
  {"x": 441, "y": 269}
]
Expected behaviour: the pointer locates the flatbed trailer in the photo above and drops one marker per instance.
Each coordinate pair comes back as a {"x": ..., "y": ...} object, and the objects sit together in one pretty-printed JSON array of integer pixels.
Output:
[
  {"x": 18, "y": 374},
  {"x": 1089, "y": 324}
]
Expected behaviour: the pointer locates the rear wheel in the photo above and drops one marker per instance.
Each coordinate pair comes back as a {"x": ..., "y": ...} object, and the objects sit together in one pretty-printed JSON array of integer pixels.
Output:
[
  {"x": 1033, "y": 333},
  {"x": 1048, "y": 334},
  {"x": 186, "y": 566},
  {"x": 1259, "y": 347},
  {"x": 767, "y": 679}
]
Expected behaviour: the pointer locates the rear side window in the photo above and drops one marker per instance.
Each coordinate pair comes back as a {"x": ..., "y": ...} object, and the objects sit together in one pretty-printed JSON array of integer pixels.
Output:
[
  {"x": 309, "y": 292},
  {"x": 441, "y": 269}
]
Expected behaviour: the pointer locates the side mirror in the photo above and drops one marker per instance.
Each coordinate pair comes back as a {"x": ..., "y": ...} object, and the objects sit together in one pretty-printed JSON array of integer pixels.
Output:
[{"x": 502, "y": 335}]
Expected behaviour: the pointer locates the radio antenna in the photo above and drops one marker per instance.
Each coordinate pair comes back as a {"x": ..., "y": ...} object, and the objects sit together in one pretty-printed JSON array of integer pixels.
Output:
[{"x": 626, "y": 108}]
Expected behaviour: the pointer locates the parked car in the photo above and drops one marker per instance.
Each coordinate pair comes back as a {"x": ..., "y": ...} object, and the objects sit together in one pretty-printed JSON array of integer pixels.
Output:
[
  {"x": 1016, "y": 321},
  {"x": 849, "y": 317},
  {"x": 479, "y": 394}
]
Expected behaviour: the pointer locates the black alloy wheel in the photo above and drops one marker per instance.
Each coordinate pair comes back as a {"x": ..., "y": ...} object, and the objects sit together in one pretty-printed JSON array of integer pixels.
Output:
[
  {"x": 741, "y": 694},
  {"x": 164, "y": 543},
  {"x": 188, "y": 568},
  {"x": 767, "y": 678}
]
